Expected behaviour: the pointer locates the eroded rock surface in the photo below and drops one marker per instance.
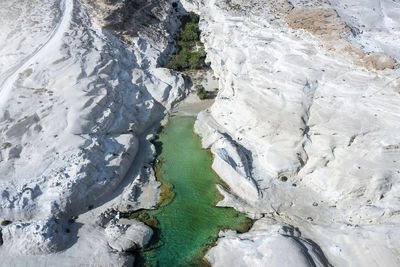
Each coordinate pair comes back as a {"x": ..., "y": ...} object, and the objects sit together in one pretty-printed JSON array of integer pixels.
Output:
[
  {"x": 315, "y": 112},
  {"x": 78, "y": 94},
  {"x": 304, "y": 129},
  {"x": 266, "y": 244},
  {"x": 128, "y": 237}
]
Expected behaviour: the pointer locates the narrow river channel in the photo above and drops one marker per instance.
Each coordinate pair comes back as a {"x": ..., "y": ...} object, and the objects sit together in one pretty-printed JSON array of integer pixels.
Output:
[{"x": 188, "y": 225}]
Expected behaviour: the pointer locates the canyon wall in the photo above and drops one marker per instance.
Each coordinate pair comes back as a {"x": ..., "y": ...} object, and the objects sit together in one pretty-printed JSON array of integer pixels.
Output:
[{"x": 305, "y": 129}]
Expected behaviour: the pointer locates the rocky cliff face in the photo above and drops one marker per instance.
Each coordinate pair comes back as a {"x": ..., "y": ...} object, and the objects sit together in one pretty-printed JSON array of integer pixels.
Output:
[
  {"x": 76, "y": 102},
  {"x": 152, "y": 20},
  {"x": 304, "y": 129}
]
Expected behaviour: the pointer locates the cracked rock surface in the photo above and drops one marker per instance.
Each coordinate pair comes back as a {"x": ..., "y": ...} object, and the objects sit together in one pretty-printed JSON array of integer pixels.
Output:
[
  {"x": 305, "y": 129},
  {"x": 78, "y": 96}
]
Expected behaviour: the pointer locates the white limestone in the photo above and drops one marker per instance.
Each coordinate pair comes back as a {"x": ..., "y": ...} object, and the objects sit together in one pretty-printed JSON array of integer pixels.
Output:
[
  {"x": 128, "y": 237},
  {"x": 304, "y": 129},
  {"x": 314, "y": 112},
  {"x": 76, "y": 105},
  {"x": 267, "y": 244}
]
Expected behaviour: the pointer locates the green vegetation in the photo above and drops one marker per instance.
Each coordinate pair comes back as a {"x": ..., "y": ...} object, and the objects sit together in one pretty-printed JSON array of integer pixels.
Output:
[
  {"x": 194, "y": 17},
  {"x": 190, "y": 32},
  {"x": 201, "y": 92},
  {"x": 191, "y": 51},
  {"x": 196, "y": 61}
]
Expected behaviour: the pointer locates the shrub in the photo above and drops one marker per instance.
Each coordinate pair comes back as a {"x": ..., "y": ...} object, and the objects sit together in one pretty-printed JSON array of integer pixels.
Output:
[
  {"x": 173, "y": 63},
  {"x": 196, "y": 61},
  {"x": 190, "y": 32},
  {"x": 180, "y": 61},
  {"x": 201, "y": 51},
  {"x": 191, "y": 27},
  {"x": 191, "y": 54},
  {"x": 187, "y": 45},
  {"x": 183, "y": 58},
  {"x": 194, "y": 18},
  {"x": 201, "y": 92}
]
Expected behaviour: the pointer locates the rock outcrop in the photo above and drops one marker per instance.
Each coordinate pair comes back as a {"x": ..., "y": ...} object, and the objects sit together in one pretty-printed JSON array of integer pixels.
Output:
[
  {"x": 304, "y": 129},
  {"x": 128, "y": 237},
  {"x": 79, "y": 92},
  {"x": 266, "y": 244},
  {"x": 315, "y": 110}
]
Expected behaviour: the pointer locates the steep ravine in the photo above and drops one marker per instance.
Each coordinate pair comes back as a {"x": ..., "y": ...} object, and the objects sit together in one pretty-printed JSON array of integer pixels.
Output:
[
  {"x": 187, "y": 221},
  {"x": 303, "y": 131}
]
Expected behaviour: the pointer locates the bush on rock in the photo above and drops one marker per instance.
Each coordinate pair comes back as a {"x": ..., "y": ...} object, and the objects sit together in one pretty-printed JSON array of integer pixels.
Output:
[
  {"x": 191, "y": 51},
  {"x": 201, "y": 92}
]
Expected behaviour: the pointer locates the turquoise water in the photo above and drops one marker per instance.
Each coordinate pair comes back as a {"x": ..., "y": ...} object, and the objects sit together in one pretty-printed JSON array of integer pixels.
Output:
[{"x": 188, "y": 224}]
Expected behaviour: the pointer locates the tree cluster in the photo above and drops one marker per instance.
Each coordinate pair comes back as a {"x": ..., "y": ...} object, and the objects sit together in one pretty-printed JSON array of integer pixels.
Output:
[{"x": 191, "y": 51}]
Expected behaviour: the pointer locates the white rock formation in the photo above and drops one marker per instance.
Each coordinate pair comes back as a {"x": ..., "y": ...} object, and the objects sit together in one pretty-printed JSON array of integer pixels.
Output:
[
  {"x": 128, "y": 237},
  {"x": 305, "y": 128},
  {"x": 76, "y": 105},
  {"x": 267, "y": 244}
]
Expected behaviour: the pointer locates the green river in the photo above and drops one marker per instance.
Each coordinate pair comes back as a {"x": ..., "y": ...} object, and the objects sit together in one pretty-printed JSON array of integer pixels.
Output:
[{"x": 188, "y": 222}]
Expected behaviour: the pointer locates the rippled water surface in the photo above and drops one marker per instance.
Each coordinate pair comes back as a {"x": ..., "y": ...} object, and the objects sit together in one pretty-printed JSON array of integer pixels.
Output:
[{"x": 189, "y": 224}]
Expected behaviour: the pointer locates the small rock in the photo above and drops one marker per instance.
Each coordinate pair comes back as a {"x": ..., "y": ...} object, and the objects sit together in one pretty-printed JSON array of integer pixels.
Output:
[{"x": 128, "y": 237}]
